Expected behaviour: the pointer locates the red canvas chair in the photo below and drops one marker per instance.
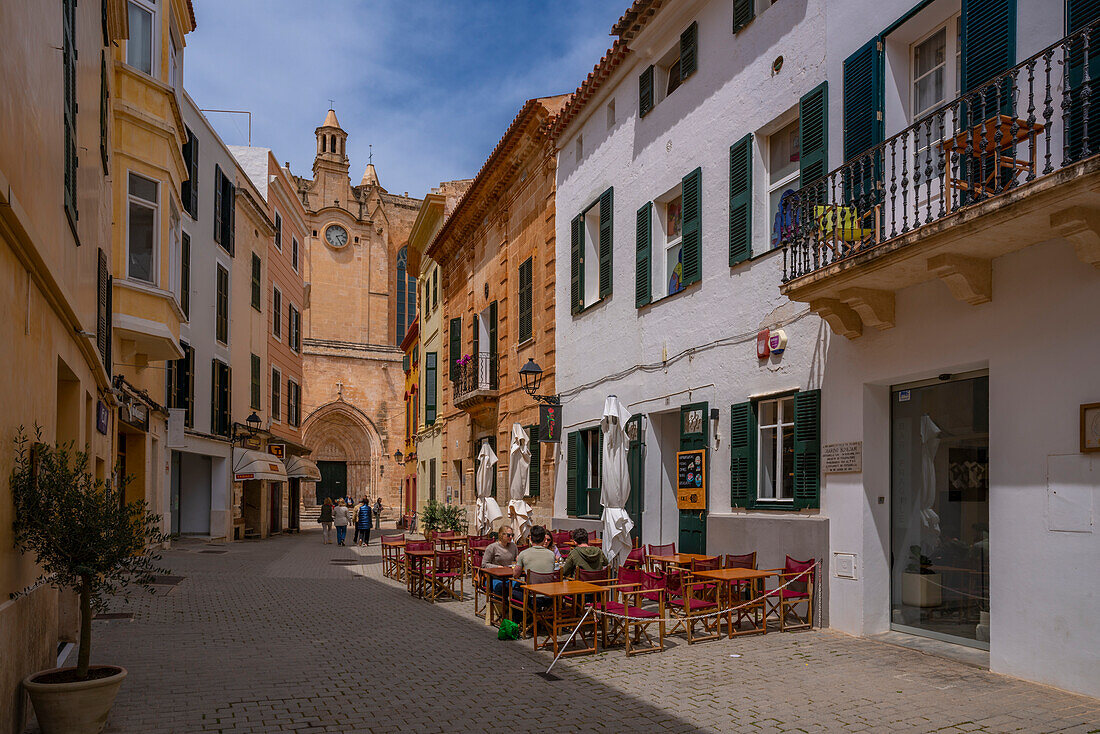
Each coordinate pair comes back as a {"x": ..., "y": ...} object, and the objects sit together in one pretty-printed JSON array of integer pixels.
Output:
[
  {"x": 446, "y": 575},
  {"x": 477, "y": 580},
  {"x": 667, "y": 549},
  {"x": 529, "y": 606},
  {"x": 784, "y": 601},
  {"x": 393, "y": 558},
  {"x": 635, "y": 560},
  {"x": 414, "y": 571},
  {"x": 633, "y": 621},
  {"x": 745, "y": 560},
  {"x": 699, "y": 598}
]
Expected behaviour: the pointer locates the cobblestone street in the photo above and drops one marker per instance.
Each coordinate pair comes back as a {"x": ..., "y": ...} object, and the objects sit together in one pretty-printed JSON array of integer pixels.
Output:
[{"x": 284, "y": 635}]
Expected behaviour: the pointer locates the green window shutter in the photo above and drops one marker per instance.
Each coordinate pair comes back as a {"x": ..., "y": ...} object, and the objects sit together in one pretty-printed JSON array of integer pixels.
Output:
[
  {"x": 742, "y": 455},
  {"x": 743, "y": 13},
  {"x": 69, "y": 55},
  {"x": 218, "y": 191},
  {"x": 643, "y": 287},
  {"x": 454, "y": 350},
  {"x": 692, "y": 241},
  {"x": 493, "y": 344},
  {"x": 689, "y": 51},
  {"x": 525, "y": 305},
  {"x": 807, "y": 449},
  {"x": 595, "y": 494},
  {"x": 813, "y": 127},
  {"x": 405, "y": 363},
  {"x": 229, "y": 220},
  {"x": 741, "y": 200},
  {"x": 104, "y": 95},
  {"x": 576, "y": 267},
  {"x": 431, "y": 367},
  {"x": 193, "y": 169},
  {"x": 221, "y": 321},
  {"x": 645, "y": 92},
  {"x": 185, "y": 275},
  {"x": 254, "y": 396},
  {"x": 493, "y": 445},
  {"x": 534, "y": 470},
  {"x": 863, "y": 99},
  {"x": 607, "y": 202},
  {"x": 256, "y": 273},
  {"x": 572, "y": 460},
  {"x": 635, "y": 460},
  {"x": 988, "y": 40},
  {"x": 1079, "y": 13}
]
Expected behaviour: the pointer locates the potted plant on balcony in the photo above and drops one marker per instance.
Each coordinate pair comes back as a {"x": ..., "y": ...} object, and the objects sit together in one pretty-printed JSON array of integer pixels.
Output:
[
  {"x": 87, "y": 539},
  {"x": 920, "y": 585}
]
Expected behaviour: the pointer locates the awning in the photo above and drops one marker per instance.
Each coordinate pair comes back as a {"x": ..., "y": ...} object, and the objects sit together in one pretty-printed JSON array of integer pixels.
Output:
[
  {"x": 256, "y": 465},
  {"x": 299, "y": 467}
]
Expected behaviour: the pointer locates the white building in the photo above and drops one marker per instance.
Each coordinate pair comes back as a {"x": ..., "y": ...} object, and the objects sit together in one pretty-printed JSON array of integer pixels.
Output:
[
  {"x": 201, "y": 457},
  {"x": 956, "y": 424}
]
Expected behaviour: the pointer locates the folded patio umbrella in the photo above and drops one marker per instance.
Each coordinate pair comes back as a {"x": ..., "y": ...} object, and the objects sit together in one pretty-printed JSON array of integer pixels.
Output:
[
  {"x": 519, "y": 482},
  {"x": 616, "y": 482},
  {"x": 487, "y": 514}
]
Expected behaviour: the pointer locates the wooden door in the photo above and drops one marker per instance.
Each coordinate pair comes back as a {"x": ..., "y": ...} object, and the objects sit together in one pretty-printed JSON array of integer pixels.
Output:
[
  {"x": 694, "y": 434},
  {"x": 334, "y": 480}
]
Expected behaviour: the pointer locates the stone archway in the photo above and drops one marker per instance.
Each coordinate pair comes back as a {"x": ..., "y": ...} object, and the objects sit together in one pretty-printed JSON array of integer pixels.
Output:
[{"x": 340, "y": 432}]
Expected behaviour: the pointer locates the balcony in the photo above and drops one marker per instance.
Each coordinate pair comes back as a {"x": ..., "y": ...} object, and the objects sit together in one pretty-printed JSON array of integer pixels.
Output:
[
  {"x": 476, "y": 382},
  {"x": 1010, "y": 164}
]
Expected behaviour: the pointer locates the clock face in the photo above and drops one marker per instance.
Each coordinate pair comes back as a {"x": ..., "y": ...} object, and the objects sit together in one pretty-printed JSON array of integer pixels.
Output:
[{"x": 336, "y": 235}]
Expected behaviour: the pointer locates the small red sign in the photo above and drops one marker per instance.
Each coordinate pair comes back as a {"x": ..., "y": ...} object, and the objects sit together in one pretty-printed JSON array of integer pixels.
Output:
[{"x": 762, "y": 348}]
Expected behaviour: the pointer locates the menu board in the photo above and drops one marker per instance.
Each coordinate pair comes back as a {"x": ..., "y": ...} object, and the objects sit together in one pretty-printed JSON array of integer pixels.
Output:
[{"x": 691, "y": 479}]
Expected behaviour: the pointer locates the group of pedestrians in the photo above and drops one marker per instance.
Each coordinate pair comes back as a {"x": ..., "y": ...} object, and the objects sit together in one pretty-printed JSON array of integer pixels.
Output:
[{"x": 342, "y": 514}]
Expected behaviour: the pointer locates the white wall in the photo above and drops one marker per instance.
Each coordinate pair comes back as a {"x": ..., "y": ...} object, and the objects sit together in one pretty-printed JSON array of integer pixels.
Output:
[{"x": 1038, "y": 340}]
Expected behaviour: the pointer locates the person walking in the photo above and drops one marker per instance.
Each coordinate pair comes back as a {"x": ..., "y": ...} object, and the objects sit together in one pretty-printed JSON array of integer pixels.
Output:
[
  {"x": 340, "y": 520},
  {"x": 326, "y": 521},
  {"x": 362, "y": 523},
  {"x": 378, "y": 513}
]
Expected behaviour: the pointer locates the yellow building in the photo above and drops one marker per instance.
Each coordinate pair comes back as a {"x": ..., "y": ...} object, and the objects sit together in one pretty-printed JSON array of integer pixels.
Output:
[
  {"x": 148, "y": 169},
  {"x": 408, "y": 497},
  {"x": 56, "y": 170}
]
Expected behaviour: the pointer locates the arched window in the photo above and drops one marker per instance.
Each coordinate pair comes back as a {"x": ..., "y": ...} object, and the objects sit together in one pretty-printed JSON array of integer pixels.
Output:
[
  {"x": 324, "y": 144},
  {"x": 406, "y": 296}
]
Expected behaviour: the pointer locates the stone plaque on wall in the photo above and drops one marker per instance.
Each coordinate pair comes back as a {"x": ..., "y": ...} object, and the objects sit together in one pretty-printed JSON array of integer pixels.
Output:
[{"x": 839, "y": 458}]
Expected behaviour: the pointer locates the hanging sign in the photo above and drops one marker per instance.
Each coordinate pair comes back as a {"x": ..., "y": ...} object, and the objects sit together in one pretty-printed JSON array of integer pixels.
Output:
[
  {"x": 102, "y": 416},
  {"x": 278, "y": 450},
  {"x": 691, "y": 479},
  {"x": 550, "y": 423}
]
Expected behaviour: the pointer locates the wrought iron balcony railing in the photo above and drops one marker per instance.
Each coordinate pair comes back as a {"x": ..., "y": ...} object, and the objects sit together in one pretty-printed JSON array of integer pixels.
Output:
[
  {"x": 1025, "y": 123},
  {"x": 476, "y": 378}
]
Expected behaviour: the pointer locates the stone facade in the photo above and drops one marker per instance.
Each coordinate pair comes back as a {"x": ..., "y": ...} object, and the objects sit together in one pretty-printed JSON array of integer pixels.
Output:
[
  {"x": 352, "y": 399},
  {"x": 506, "y": 217}
]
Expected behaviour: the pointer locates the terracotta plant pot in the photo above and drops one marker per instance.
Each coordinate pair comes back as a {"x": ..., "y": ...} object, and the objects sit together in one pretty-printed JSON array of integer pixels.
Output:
[{"x": 80, "y": 707}]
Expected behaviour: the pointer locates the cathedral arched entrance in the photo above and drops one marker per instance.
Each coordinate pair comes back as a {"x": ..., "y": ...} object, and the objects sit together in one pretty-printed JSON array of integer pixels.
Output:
[{"x": 348, "y": 451}]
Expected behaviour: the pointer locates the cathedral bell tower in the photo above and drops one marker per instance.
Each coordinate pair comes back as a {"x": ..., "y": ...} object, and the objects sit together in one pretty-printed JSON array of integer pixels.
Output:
[{"x": 331, "y": 145}]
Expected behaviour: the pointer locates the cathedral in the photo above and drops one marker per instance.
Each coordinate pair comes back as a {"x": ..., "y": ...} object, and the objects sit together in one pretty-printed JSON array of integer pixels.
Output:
[{"x": 360, "y": 303}]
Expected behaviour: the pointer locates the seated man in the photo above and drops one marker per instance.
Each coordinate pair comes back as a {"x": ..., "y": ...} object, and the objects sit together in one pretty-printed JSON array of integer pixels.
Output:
[
  {"x": 499, "y": 553},
  {"x": 538, "y": 558},
  {"x": 583, "y": 556}
]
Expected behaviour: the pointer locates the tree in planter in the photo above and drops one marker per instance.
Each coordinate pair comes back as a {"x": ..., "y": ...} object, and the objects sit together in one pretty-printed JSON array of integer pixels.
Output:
[
  {"x": 438, "y": 516},
  {"x": 81, "y": 531}
]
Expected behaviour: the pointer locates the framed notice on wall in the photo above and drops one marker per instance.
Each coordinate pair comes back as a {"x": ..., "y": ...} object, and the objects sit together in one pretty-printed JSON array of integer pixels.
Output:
[{"x": 691, "y": 479}]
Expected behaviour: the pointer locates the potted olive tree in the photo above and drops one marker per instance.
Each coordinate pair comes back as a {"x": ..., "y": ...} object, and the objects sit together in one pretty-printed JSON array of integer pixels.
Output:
[{"x": 86, "y": 538}]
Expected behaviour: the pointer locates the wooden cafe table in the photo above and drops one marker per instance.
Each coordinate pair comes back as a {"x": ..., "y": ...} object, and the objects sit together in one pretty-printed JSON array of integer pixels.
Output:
[
  {"x": 755, "y": 612},
  {"x": 490, "y": 574},
  {"x": 557, "y": 591},
  {"x": 680, "y": 560},
  {"x": 415, "y": 563}
]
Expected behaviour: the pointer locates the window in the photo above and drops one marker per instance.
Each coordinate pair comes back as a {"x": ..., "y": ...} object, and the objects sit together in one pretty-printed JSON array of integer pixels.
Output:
[
  {"x": 141, "y": 252},
  {"x": 139, "y": 46},
  {"x": 256, "y": 282},
  {"x": 454, "y": 348},
  {"x": 435, "y": 287},
  {"x": 579, "y": 152},
  {"x": 784, "y": 154},
  {"x": 189, "y": 189},
  {"x": 294, "y": 328},
  {"x": 180, "y": 387},
  {"x": 406, "y": 296},
  {"x": 669, "y": 245},
  {"x": 583, "y": 471},
  {"x": 936, "y": 75},
  {"x": 293, "y": 403},
  {"x": 663, "y": 78},
  {"x": 254, "y": 394},
  {"x": 591, "y": 250},
  {"x": 431, "y": 479},
  {"x": 776, "y": 452},
  {"x": 276, "y": 394},
  {"x": 175, "y": 247},
  {"x": 185, "y": 276},
  {"x": 525, "y": 296},
  {"x": 611, "y": 114},
  {"x": 221, "y": 306},
  {"x": 104, "y": 105},
  {"x": 294, "y": 253},
  {"x": 278, "y": 231},
  {"x": 224, "y": 195},
  {"x": 175, "y": 62},
  {"x": 431, "y": 381},
  {"x": 219, "y": 399},
  {"x": 276, "y": 313},
  {"x": 103, "y": 310}
]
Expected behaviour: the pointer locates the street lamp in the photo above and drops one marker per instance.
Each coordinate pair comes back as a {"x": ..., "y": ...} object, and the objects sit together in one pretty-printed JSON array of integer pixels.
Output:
[
  {"x": 398, "y": 456},
  {"x": 252, "y": 422},
  {"x": 530, "y": 376}
]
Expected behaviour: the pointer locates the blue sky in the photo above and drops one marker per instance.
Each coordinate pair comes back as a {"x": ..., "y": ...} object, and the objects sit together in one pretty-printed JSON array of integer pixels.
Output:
[{"x": 432, "y": 84}]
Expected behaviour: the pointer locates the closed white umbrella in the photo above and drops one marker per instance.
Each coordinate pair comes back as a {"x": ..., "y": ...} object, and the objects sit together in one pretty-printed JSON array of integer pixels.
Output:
[
  {"x": 519, "y": 482},
  {"x": 487, "y": 511},
  {"x": 616, "y": 482}
]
